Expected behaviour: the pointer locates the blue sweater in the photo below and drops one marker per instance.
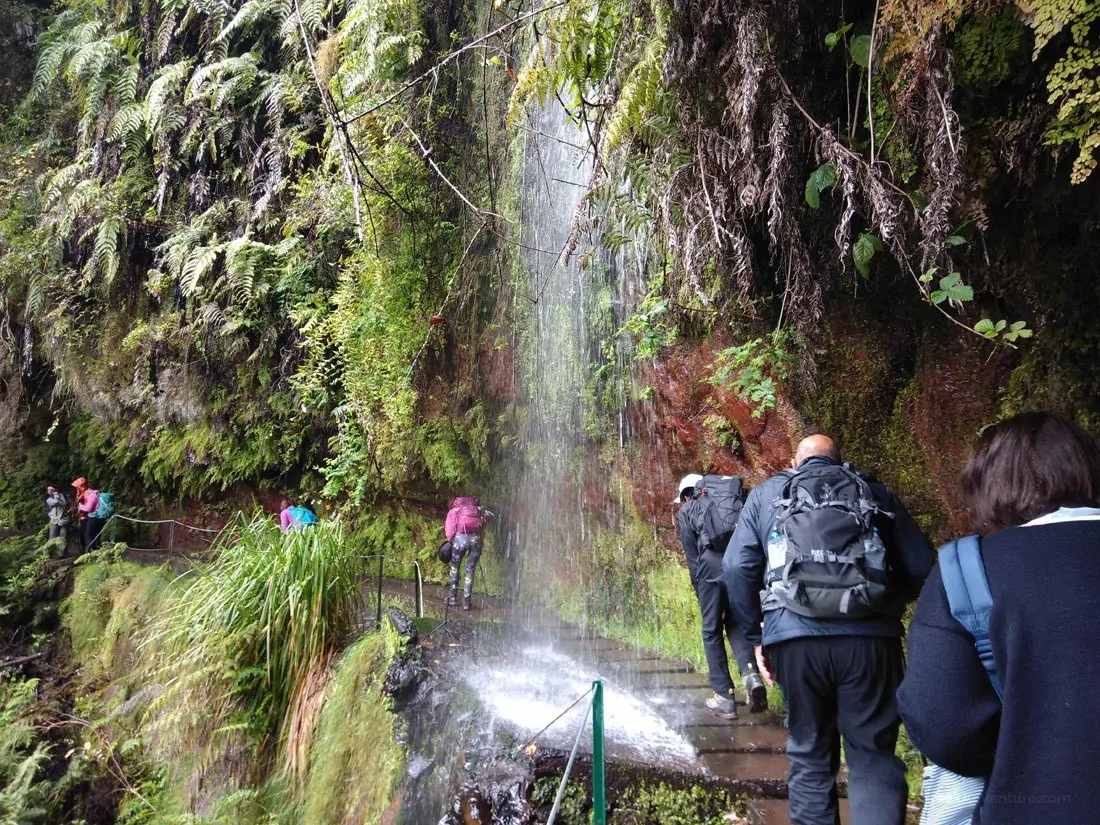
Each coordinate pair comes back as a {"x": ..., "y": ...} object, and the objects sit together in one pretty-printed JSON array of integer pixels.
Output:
[{"x": 1039, "y": 750}]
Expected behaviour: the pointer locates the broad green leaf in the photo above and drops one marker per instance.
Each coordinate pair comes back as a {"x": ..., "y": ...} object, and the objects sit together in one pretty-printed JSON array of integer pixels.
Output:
[
  {"x": 985, "y": 327},
  {"x": 948, "y": 281},
  {"x": 927, "y": 277},
  {"x": 955, "y": 240},
  {"x": 863, "y": 250},
  {"x": 960, "y": 293},
  {"x": 822, "y": 178},
  {"x": 860, "y": 47},
  {"x": 938, "y": 296}
]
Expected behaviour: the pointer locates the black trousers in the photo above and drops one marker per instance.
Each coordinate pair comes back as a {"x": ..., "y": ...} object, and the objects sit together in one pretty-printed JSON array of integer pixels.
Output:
[
  {"x": 718, "y": 625},
  {"x": 90, "y": 529},
  {"x": 842, "y": 686}
]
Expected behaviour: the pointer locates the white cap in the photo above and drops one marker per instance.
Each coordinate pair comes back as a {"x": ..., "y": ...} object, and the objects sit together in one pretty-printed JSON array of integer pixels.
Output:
[{"x": 686, "y": 483}]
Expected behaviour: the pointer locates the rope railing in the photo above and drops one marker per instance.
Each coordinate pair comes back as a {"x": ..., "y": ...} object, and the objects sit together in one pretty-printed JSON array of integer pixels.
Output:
[{"x": 171, "y": 529}]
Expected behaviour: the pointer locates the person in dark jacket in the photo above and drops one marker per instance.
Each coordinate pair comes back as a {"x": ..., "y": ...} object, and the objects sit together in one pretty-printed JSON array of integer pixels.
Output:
[
  {"x": 705, "y": 569},
  {"x": 838, "y": 676},
  {"x": 1032, "y": 486}
]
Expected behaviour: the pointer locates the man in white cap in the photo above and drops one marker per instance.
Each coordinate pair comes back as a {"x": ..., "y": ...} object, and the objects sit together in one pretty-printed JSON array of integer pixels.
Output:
[{"x": 705, "y": 567}]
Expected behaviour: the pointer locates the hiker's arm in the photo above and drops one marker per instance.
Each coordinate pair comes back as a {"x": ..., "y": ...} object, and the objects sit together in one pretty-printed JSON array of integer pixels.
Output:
[
  {"x": 688, "y": 539},
  {"x": 950, "y": 710},
  {"x": 451, "y": 524},
  {"x": 90, "y": 502},
  {"x": 743, "y": 568},
  {"x": 913, "y": 557}
]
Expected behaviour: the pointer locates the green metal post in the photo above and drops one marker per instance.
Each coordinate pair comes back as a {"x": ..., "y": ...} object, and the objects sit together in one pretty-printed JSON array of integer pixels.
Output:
[{"x": 599, "y": 796}]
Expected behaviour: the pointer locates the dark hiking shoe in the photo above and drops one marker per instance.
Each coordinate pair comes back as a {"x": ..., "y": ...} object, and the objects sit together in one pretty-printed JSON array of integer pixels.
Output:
[
  {"x": 723, "y": 706},
  {"x": 756, "y": 695}
]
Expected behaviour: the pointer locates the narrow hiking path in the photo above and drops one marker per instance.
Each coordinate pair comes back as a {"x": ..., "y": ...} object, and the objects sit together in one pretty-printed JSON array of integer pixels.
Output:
[{"x": 748, "y": 754}]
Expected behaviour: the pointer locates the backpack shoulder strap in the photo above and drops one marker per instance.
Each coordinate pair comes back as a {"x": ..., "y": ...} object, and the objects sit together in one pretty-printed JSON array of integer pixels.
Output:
[{"x": 969, "y": 599}]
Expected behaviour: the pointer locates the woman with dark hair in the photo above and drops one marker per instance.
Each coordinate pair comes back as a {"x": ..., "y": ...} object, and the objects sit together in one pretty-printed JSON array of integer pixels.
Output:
[{"x": 1031, "y": 487}]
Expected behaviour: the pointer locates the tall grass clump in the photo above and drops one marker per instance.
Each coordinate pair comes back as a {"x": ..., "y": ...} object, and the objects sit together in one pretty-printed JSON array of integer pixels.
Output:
[{"x": 248, "y": 642}]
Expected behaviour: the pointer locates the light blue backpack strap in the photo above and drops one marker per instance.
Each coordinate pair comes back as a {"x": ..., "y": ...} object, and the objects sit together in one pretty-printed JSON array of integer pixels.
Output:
[{"x": 969, "y": 598}]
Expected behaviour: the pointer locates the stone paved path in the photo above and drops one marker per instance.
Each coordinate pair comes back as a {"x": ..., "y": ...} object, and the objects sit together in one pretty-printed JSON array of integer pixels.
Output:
[{"x": 748, "y": 752}]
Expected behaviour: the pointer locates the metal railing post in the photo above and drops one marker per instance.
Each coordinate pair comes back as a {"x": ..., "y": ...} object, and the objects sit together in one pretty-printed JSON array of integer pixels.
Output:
[
  {"x": 418, "y": 585},
  {"x": 599, "y": 796},
  {"x": 381, "y": 558},
  {"x": 171, "y": 536}
]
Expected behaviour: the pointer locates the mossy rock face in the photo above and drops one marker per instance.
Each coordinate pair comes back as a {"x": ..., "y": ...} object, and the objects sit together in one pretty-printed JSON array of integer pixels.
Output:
[{"x": 907, "y": 408}]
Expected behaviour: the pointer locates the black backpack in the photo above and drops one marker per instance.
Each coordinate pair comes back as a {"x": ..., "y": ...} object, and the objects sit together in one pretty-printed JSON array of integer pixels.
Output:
[
  {"x": 826, "y": 559},
  {"x": 720, "y": 501}
]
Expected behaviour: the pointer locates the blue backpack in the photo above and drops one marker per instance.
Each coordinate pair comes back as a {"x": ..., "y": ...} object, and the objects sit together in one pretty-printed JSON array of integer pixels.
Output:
[
  {"x": 106, "y": 506},
  {"x": 950, "y": 799},
  {"x": 302, "y": 516}
]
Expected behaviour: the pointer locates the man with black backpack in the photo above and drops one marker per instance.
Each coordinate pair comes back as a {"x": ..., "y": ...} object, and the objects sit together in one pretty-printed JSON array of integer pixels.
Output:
[
  {"x": 824, "y": 560},
  {"x": 710, "y": 508}
]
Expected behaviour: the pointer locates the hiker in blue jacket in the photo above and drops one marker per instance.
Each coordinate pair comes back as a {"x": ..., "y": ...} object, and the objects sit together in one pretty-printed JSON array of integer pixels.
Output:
[
  {"x": 1032, "y": 487},
  {"x": 838, "y": 674}
]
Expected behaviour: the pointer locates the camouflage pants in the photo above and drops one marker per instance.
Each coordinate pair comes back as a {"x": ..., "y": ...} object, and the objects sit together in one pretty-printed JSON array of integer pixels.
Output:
[{"x": 470, "y": 547}]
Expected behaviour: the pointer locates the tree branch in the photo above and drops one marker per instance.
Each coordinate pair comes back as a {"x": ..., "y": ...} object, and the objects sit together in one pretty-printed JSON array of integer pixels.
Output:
[{"x": 523, "y": 18}]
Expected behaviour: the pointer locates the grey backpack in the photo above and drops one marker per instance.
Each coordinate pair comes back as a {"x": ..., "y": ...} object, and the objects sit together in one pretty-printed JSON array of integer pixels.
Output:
[{"x": 826, "y": 559}]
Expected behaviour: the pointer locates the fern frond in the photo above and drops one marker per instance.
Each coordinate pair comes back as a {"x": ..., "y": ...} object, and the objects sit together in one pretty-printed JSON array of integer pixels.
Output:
[
  {"x": 249, "y": 13},
  {"x": 127, "y": 120},
  {"x": 199, "y": 264},
  {"x": 105, "y": 258}
]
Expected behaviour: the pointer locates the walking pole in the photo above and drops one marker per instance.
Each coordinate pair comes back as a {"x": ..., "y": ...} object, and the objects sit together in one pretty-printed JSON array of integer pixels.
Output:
[{"x": 599, "y": 796}]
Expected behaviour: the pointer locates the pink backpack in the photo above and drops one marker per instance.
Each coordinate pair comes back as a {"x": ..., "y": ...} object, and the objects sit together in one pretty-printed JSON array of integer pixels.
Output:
[{"x": 469, "y": 520}]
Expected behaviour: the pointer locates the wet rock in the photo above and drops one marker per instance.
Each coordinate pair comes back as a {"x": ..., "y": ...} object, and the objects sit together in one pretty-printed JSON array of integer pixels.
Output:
[
  {"x": 402, "y": 624},
  {"x": 405, "y": 672},
  {"x": 473, "y": 807},
  {"x": 497, "y": 804}
]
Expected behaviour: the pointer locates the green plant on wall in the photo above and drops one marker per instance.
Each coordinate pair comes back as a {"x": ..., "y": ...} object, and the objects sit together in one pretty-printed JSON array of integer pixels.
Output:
[{"x": 753, "y": 369}]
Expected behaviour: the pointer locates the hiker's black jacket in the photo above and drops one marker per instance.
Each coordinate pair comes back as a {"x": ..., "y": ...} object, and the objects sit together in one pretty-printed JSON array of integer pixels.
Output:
[
  {"x": 1039, "y": 750},
  {"x": 745, "y": 564},
  {"x": 690, "y": 521}
]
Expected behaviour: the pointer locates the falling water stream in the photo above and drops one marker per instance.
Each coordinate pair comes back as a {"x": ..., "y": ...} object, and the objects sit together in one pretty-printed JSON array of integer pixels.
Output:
[{"x": 486, "y": 701}]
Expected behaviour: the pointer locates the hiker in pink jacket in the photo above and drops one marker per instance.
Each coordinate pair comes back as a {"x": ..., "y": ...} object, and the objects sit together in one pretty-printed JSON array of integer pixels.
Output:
[
  {"x": 87, "y": 502},
  {"x": 466, "y": 522}
]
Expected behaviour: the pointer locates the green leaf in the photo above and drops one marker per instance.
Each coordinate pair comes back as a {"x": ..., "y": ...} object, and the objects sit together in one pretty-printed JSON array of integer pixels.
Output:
[
  {"x": 863, "y": 250},
  {"x": 822, "y": 178},
  {"x": 860, "y": 47},
  {"x": 985, "y": 327},
  {"x": 955, "y": 240},
  {"x": 954, "y": 290},
  {"x": 833, "y": 38},
  {"x": 927, "y": 277},
  {"x": 938, "y": 296}
]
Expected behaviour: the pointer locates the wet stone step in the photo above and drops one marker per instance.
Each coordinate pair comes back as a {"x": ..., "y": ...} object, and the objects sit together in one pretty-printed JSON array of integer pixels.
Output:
[
  {"x": 770, "y": 767},
  {"x": 776, "y": 812},
  {"x": 745, "y": 738}
]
